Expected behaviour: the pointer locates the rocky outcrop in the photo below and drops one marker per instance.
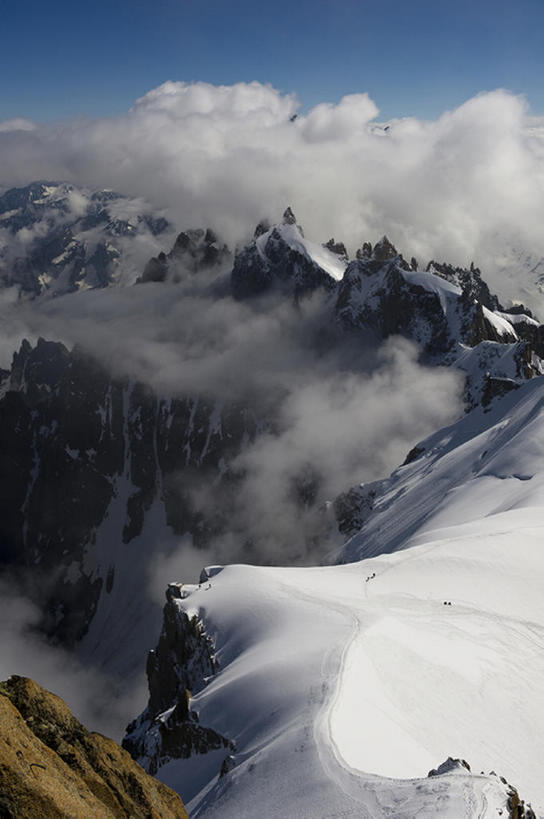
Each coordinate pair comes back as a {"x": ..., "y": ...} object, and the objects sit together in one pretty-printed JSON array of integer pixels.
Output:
[
  {"x": 377, "y": 295},
  {"x": 193, "y": 251},
  {"x": 178, "y": 668},
  {"x": 52, "y": 766},
  {"x": 352, "y": 508},
  {"x": 469, "y": 280},
  {"x": 516, "y": 807},
  {"x": 276, "y": 261}
]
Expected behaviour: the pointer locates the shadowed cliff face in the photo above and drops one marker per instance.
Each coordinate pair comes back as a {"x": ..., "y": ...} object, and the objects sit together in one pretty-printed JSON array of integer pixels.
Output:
[
  {"x": 51, "y": 766},
  {"x": 178, "y": 668}
]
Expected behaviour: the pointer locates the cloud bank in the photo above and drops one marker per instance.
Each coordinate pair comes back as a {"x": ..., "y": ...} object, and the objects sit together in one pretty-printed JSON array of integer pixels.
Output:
[{"x": 465, "y": 186}]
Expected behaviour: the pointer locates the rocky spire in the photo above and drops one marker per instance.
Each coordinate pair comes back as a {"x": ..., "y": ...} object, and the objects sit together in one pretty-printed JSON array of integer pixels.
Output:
[
  {"x": 262, "y": 227},
  {"x": 384, "y": 250},
  {"x": 289, "y": 217},
  {"x": 337, "y": 248}
]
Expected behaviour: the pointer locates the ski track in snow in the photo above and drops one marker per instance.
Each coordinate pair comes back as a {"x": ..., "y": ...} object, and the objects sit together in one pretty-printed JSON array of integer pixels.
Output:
[
  {"x": 345, "y": 790},
  {"x": 356, "y": 784}
]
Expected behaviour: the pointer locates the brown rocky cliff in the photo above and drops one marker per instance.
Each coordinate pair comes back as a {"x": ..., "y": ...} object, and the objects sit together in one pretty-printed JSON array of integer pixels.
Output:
[{"x": 51, "y": 766}]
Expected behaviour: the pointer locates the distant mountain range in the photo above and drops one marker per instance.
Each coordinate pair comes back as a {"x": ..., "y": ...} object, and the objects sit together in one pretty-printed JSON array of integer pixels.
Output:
[{"x": 59, "y": 238}]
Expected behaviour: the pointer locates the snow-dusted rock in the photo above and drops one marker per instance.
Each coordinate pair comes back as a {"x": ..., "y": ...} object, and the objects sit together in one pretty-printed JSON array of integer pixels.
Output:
[
  {"x": 280, "y": 258},
  {"x": 58, "y": 238}
]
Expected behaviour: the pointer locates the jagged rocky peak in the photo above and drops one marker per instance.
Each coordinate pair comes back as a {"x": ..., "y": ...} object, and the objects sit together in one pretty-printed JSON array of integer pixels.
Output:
[
  {"x": 194, "y": 250},
  {"x": 280, "y": 258},
  {"x": 451, "y": 321},
  {"x": 381, "y": 252},
  {"x": 364, "y": 252},
  {"x": 289, "y": 217},
  {"x": 384, "y": 250},
  {"x": 37, "y": 369},
  {"x": 468, "y": 279},
  {"x": 338, "y": 248},
  {"x": 178, "y": 668},
  {"x": 262, "y": 227}
]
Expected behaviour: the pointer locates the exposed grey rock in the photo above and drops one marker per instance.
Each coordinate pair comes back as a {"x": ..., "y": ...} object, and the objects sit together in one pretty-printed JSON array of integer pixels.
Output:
[
  {"x": 353, "y": 508},
  {"x": 178, "y": 668},
  {"x": 338, "y": 248},
  {"x": 194, "y": 250},
  {"x": 276, "y": 266},
  {"x": 470, "y": 281},
  {"x": 450, "y": 766},
  {"x": 289, "y": 217},
  {"x": 70, "y": 436}
]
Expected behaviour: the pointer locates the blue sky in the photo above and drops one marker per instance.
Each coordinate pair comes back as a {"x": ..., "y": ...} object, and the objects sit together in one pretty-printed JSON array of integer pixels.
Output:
[{"x": 413, "y": 58}]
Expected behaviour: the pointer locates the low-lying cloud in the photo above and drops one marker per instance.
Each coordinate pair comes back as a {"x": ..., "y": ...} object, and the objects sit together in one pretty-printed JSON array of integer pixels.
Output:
[
  {"x": 468, "y": 185},
  {"x": 102, "y": 702},
  {"x": 334, "y": 409}
]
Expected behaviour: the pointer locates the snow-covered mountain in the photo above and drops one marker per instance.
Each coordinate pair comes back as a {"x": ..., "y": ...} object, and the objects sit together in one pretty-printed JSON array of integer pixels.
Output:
[
  {"x": 57, "y": 238},
  {"x": 301, "y": 676},
  {"x": 340, "y": 687},
  {"x": 130, "y": 460}
]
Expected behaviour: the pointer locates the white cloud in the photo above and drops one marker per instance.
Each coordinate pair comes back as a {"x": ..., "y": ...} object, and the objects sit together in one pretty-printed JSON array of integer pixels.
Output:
[
  {"x": 455, "y": 188},
  {"x": 16, "y": 124}
]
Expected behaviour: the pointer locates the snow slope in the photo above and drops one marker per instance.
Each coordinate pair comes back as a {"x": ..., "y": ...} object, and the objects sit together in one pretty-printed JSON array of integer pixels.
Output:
[
  {"x": 330, "y": 262},
  {"x": 342, "y": 685}
]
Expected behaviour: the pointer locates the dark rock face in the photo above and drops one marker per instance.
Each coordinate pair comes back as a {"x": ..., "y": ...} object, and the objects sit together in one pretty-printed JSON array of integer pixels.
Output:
[
  {"x": 72, "y": 439},
  {"x": 527, "y": 330},
  {"x": 338, "y": 248},
  {"x": 51, "y": 766},
  {"x": 62, "y": 470},
  {"x": 183, "y": 659},
  {"x": 396, "y": 306},
  {"x": 179, "y": 667},
  {"x": 289, "y": 217},
  {"x": 384, "y": 250},
  {"x": 354, "y": 507},
  {"x": 470, "y": 281},
  {"x": 193, "y": 251},
  {"x": 272, "y": 261},
  {"x": 73, "y": 237}
]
